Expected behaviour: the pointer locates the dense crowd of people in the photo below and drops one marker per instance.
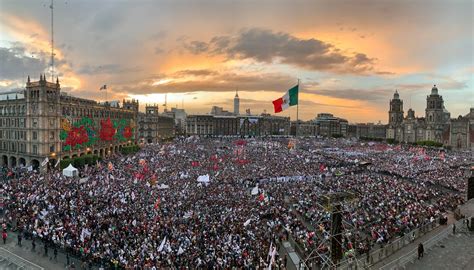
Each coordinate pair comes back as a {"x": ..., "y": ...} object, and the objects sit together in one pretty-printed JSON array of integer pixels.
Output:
[{"x": 149, "y": 211}]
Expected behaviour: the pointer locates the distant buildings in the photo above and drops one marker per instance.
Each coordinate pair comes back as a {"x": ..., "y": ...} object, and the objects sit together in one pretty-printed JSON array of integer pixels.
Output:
[
  {"x": 243, "y": 125},
  {"x": 179, "y": 116}
]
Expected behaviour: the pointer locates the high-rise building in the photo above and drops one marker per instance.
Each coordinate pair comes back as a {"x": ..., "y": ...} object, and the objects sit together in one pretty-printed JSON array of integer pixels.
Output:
[{"x": 236, "y": 103}]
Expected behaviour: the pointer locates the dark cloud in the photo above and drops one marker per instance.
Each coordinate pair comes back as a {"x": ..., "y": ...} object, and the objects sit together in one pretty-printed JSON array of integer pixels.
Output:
[
  {"x": 105, "y": 69},
  {"x": 15, "y": 63},
  {"x": 267, "y": 46},
  {"x": 210, "y": 81},
  {"x": 196, "y": 47}
]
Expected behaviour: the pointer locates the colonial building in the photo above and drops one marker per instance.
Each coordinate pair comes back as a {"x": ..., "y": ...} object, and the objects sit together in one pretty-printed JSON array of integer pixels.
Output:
[
  {"x": 304, "y": 128},
  {"x": 435, "y": 126},
  {"x": 39, "y": 123},
  {"x": 329, "y": 125},
  {"x": 154, "y": 127},
  {"x": 461, "y": 132},
  {"x": 243, "y": 125},
  {"x": 367, "y": 130}
]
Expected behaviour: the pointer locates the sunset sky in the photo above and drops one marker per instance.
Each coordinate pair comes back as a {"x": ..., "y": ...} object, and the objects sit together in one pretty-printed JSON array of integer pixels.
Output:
[{"x": 349, "y": 55}]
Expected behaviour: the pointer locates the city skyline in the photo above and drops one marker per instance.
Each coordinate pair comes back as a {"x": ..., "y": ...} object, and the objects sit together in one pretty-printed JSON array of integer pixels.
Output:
[{"x": 350, "y": 56}]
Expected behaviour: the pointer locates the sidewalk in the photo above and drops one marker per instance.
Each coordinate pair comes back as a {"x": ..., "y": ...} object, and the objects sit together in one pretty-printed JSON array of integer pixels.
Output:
[
  {"x": 410, "y": 247},
  {"x": 37, "y": 257}
]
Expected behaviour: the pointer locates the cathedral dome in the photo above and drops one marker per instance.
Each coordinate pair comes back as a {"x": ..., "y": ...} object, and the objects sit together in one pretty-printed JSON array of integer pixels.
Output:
[{"x": 434, "y": 90}]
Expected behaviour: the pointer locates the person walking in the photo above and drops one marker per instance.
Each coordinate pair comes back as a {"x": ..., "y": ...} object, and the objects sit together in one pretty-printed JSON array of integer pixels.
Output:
[
  {"x": 19, "y": 239},
  {"x": 4, "y": 237},
  {"x": 55, "y": 252},
  {"x": 454, "y": 228},
  {"x": 33, "y": 244},
  {"x": 421, "y": 250}
]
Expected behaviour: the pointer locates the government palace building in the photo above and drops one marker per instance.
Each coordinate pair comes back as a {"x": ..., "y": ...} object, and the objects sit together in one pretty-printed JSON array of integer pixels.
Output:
[{"x": 40, "y": 125}]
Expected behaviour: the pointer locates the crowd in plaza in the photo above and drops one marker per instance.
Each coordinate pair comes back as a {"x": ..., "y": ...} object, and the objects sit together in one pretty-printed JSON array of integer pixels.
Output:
[{"x": 148, "y": 211}]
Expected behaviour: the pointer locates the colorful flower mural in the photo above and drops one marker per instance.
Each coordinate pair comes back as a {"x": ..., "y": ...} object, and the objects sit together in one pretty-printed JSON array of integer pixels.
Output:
[
  {"x": 107, "y": 131},
  {"x": 85, "y": 132},
  {"x": 80, "y": 134}
]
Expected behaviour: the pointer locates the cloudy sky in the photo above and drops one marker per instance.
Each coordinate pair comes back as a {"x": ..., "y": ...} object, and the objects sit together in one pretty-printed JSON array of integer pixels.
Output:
[{"x": 349, "y": 55}]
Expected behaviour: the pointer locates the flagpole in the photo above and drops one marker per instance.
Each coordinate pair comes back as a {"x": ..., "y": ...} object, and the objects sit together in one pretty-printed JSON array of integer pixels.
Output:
[{"x": 297, "y": 109}]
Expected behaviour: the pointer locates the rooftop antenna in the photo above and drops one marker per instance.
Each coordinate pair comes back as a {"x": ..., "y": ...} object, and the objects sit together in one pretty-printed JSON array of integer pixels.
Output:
[{"x": 52, "y": 40}]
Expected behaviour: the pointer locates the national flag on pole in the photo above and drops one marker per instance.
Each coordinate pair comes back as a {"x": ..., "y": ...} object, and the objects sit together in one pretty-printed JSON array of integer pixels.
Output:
[
  {"x": 103, "y": 87},
  {"x": 289, "y": 99}
]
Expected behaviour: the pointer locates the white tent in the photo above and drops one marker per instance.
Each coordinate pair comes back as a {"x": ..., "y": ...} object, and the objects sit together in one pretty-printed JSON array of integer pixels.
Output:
[
  {"x": 70, "y": 171},
  {"x": 203, "y": 178}
]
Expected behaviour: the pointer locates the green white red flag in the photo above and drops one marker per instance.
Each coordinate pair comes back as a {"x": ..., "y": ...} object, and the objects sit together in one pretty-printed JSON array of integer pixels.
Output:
[{"x": 289, "y": 99}]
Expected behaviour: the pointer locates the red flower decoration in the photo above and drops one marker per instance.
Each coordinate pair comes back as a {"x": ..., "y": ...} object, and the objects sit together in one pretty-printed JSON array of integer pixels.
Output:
[
  {"x": 107, "y": 130},
  {"x": 127, "y": 132},
  {"x": 77, "y": 136}
]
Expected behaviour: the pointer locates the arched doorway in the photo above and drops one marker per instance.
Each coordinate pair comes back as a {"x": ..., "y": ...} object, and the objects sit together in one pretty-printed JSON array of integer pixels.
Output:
[
  {"x": 12, "y": 162},
  {"x": 22, "y": 162},
  {"x": 74, "y": 156},
  {"x": 81, "y": 154},
  {"x": 96, "y": 152},
  {"x": 101, "y": 153},
  {"x": 4, "y": 161},
  {"x": 35, "y": 164}
]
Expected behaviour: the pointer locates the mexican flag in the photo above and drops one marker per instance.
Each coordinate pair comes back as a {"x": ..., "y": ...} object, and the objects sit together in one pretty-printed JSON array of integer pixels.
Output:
[{"x": 289, "y": 99}]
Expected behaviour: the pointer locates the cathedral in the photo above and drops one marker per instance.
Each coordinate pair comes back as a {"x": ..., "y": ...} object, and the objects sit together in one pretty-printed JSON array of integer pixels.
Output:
[{"x": 437, "y": 124}]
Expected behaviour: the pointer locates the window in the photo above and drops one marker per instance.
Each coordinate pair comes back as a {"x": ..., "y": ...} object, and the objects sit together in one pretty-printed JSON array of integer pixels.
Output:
[
  {"x": 51, "y": 148},
  {"x": 51, "y": 122},
  {"x": 51, "y": 135},
  {"x": 35, "y": 135},
  {"x": 35, "y": 122},
  {"x": 51, "y": 108},
  {"x": 35, "y": 149}
]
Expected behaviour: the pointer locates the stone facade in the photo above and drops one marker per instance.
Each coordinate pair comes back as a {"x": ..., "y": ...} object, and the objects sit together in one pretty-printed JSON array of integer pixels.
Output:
[
  {"x": 437, "y": 124},
  {"x": 243, "y": 125},
  {"x": 40, "y": 122},
  {"x": 154, "y": 127},
  {"x": 329, "y": 125},
  {"x": 367, "y": 130}
]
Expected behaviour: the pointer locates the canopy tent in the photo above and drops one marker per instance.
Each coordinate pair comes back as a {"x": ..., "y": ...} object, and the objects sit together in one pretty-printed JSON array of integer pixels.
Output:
[{"x": 70, "y": 171}]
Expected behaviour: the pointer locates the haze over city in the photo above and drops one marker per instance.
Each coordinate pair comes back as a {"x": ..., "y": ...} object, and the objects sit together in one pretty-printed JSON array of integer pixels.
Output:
[{"x": 349, "y": 55}]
